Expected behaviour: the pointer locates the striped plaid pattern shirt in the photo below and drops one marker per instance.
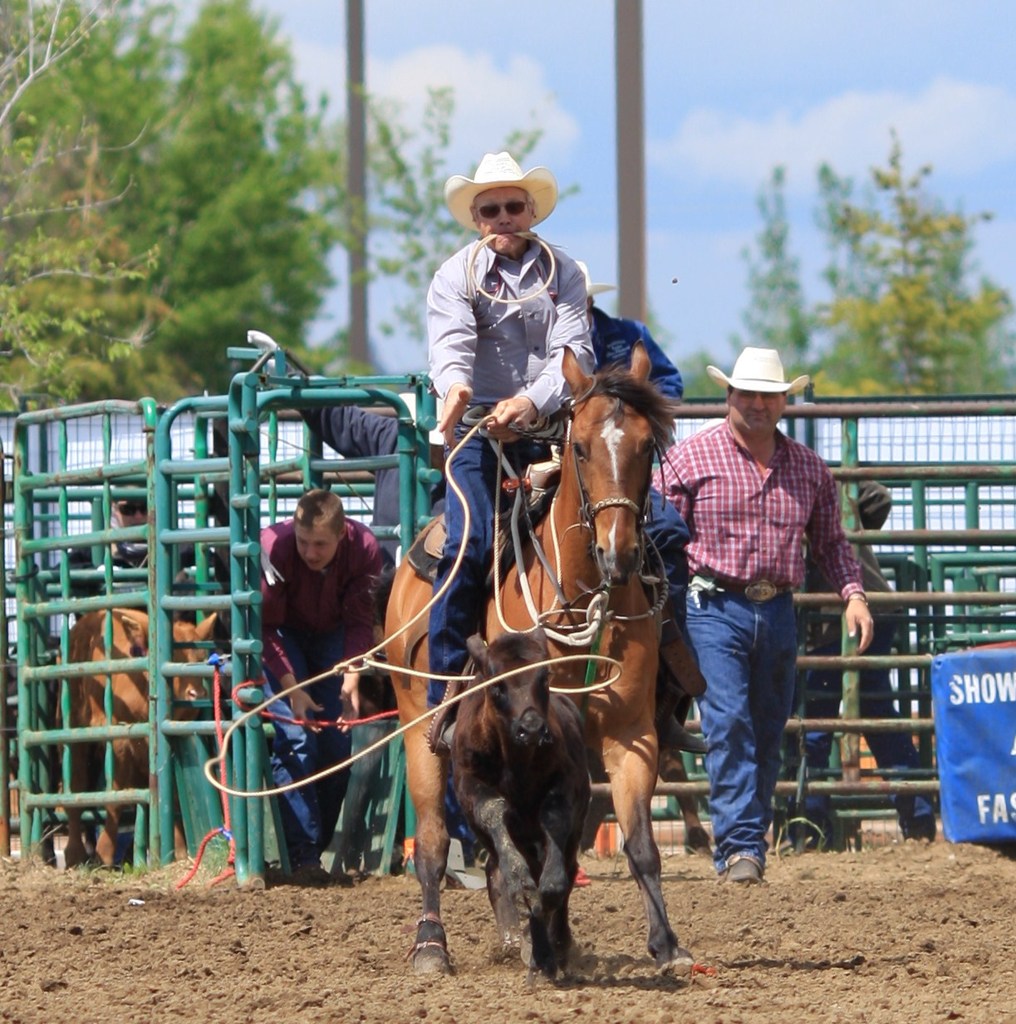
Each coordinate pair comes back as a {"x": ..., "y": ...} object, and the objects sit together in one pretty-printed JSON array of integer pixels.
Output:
[{"x": 748, "y": 524}]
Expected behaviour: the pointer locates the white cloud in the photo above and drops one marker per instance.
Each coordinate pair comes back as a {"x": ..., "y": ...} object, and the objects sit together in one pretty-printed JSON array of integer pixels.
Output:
[
  {"x": 491, "y": 100},
  {"x": 959, "y": 127}
]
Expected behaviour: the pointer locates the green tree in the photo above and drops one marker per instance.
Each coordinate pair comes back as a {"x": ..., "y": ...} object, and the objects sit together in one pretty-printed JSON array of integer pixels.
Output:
[
  {"x": 215, "y": 192},
  {"x": 248, "y": 183},
  {"x": 221, "y": 170},
  {"x": 66, "y": 271},
  {"x": 904, "y": 315}
]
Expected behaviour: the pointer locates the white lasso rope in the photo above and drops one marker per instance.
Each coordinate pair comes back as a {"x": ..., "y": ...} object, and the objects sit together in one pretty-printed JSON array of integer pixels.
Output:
[
  {"x": 529, "y": 296},
  {"x": 212, "y": 762},
  {"x": 366, "y": 660}
]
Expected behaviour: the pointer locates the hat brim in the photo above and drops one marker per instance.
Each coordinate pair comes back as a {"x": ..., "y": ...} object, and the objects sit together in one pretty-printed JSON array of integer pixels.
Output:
[
  {"x": 599, "y": 289},
  {"x": 771, "y": 387},
  {"x": 539, "y": 182}
]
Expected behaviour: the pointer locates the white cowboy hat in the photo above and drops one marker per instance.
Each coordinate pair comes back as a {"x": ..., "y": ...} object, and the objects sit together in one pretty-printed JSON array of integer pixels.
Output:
[
  {"x": 498, "y": 170},
  {"x": 758, "y": 369},
  {"x": 591, "y": 288}
]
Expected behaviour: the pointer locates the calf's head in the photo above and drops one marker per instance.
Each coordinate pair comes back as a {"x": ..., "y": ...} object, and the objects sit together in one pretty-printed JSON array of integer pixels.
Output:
[
  {"x": 185, "y": 635},
  {"x": 519, "y": 702}
]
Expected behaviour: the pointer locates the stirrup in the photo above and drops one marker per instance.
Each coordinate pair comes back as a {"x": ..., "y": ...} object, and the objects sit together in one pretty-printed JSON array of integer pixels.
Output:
[{"x": 442, "y": 722}]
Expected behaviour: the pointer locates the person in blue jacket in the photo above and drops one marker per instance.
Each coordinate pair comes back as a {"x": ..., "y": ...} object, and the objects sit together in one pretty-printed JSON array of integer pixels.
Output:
[
  {"x": 614, "y": 337},
  {"x": 361, "y": 433}
]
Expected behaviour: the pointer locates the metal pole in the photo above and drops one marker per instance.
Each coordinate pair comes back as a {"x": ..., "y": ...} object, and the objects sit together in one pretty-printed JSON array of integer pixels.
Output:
[
  {"x": 631, "y": 162},
  {"x": 357, "y": 183}
]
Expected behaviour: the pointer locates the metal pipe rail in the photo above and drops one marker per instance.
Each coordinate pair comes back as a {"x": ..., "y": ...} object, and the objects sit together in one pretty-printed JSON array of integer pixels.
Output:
[{"x": 873, "y": 787}]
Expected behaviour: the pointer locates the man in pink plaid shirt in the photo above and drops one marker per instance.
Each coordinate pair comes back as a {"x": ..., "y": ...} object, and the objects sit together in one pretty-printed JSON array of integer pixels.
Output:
[{"x": 750, "y": 496}]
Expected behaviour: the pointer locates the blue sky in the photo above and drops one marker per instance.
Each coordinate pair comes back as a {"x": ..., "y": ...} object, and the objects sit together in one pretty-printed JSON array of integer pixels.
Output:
[{"x": 732, "y": 89}]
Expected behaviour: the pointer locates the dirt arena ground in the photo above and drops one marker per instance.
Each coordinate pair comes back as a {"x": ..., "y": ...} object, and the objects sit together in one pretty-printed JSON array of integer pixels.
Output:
[{"x": 907, "y": 932}]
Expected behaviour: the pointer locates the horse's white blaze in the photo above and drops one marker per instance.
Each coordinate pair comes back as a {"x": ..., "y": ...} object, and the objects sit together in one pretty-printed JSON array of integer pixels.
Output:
[
  {"x": 613, "y": 539},
  {"x": 613, "y": 435}
]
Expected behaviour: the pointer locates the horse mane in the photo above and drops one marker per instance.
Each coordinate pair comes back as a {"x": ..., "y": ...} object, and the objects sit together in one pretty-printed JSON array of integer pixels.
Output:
[{"x": 643, "y": 396}]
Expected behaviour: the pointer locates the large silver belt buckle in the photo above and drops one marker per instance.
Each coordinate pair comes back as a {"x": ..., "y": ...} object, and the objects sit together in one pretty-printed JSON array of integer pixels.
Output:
[{"x": 760, "y": 591}]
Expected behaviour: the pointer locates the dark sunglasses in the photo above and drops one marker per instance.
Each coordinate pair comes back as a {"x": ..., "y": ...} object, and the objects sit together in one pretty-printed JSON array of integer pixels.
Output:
[
  {"x": 131, "y": 508},
  {"x": 513, "y": 208}
]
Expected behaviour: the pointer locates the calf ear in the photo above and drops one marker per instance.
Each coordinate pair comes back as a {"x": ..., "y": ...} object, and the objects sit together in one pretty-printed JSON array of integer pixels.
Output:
[
  {"x": 478, "y": 652},
  {"x": 540, "y": 638},
  {"x": 136, "y": 630},
  {"x": 205, "y": 630}
]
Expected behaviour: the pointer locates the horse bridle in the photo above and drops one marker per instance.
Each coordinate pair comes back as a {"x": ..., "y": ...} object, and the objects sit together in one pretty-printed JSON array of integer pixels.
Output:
[{"x": 588, "y": 510}]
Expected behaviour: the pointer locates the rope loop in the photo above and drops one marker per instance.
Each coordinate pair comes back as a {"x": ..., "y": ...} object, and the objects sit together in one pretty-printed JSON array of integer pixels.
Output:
[{"x": 508, "y": 301}]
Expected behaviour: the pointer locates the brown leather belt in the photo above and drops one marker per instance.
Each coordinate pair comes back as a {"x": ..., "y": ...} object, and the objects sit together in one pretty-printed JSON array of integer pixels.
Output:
[{"x": 758, "y": 591}]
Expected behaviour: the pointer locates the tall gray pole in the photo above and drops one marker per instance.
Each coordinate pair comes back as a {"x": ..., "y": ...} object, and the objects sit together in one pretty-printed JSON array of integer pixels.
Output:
[
  {"x": 356, "y": 182},
  {"x": 631, "y": 160}
]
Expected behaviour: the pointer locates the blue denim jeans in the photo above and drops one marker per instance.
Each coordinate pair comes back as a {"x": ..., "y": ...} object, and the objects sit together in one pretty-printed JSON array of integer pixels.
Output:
[
  {"x": 666, "y": 528},
  {"x": 824, "y": 688},
  {"x": 309, "y": 814},
  {"x": 456, "y": 615},
  {"x": 747, "y": 653}
]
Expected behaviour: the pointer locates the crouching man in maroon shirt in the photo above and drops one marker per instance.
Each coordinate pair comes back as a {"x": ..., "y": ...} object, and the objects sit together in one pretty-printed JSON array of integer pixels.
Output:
[{"x": 318, "y": 570}]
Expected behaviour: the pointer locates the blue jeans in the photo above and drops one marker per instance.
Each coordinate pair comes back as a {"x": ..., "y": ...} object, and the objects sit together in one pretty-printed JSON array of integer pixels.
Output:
[
  {"x": 309, "y": 814},
  {"x": 824, "y": 688},
  {"x": 456, "y": 615},
  {"x": 666, "y": 528},
  {"x": 747, "y": 653}
]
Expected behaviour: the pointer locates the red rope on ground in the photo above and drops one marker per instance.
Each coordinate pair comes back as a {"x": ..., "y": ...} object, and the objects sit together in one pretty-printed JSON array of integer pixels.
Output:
[
  {"x": 197, "y": 861},
  {"x": 226, "y": 829}
]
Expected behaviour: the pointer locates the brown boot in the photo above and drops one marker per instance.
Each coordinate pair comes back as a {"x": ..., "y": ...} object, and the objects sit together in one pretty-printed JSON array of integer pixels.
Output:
[
  {"x": 680, "y": 661},
  {"x": 442, "y": 723}
]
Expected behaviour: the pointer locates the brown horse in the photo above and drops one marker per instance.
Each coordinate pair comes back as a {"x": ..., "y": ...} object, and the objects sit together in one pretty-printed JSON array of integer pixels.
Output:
[{"x": 593, "y": 541}]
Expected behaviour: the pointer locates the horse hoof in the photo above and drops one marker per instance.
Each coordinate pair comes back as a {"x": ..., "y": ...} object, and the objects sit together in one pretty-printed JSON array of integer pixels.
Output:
[
  {"x": 679, "y": 966},
  {"x": 431, "y": 961}
]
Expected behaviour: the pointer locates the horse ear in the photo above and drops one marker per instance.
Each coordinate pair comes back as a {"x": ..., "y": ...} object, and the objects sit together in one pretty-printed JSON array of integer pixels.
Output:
[
  {"x": 478, "y": 652},
  {"x": 641, "y": 365},
  {"x": 579, "y": 382}
]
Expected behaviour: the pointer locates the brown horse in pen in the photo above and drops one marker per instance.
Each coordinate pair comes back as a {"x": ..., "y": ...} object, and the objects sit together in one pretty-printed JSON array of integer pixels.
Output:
[{"x": 592, "y": 537}]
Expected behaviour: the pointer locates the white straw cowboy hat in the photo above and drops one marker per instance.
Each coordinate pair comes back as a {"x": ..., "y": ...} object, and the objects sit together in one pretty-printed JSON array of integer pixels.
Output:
[
  {"x": 592, "y": 288},
  {"x": 758, "y": 369},
  {"x": 499, "y": 170}
]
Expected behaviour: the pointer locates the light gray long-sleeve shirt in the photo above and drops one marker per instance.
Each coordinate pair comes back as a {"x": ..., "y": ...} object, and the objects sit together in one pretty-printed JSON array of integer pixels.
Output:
[{"x": 503, "y": 350}]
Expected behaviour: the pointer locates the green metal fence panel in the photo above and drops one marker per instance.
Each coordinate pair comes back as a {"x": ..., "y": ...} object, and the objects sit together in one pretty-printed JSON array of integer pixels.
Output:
[
  {"x": 63, "y": 494},
  {"x": 257, "y": 471},
  {"x": 7, "y": 667},
  {"x": 225, "y": 466}
]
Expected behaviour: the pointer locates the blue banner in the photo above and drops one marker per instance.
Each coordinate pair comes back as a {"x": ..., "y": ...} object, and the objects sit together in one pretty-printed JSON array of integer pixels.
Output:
[{"x": 974, "y": 698}]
